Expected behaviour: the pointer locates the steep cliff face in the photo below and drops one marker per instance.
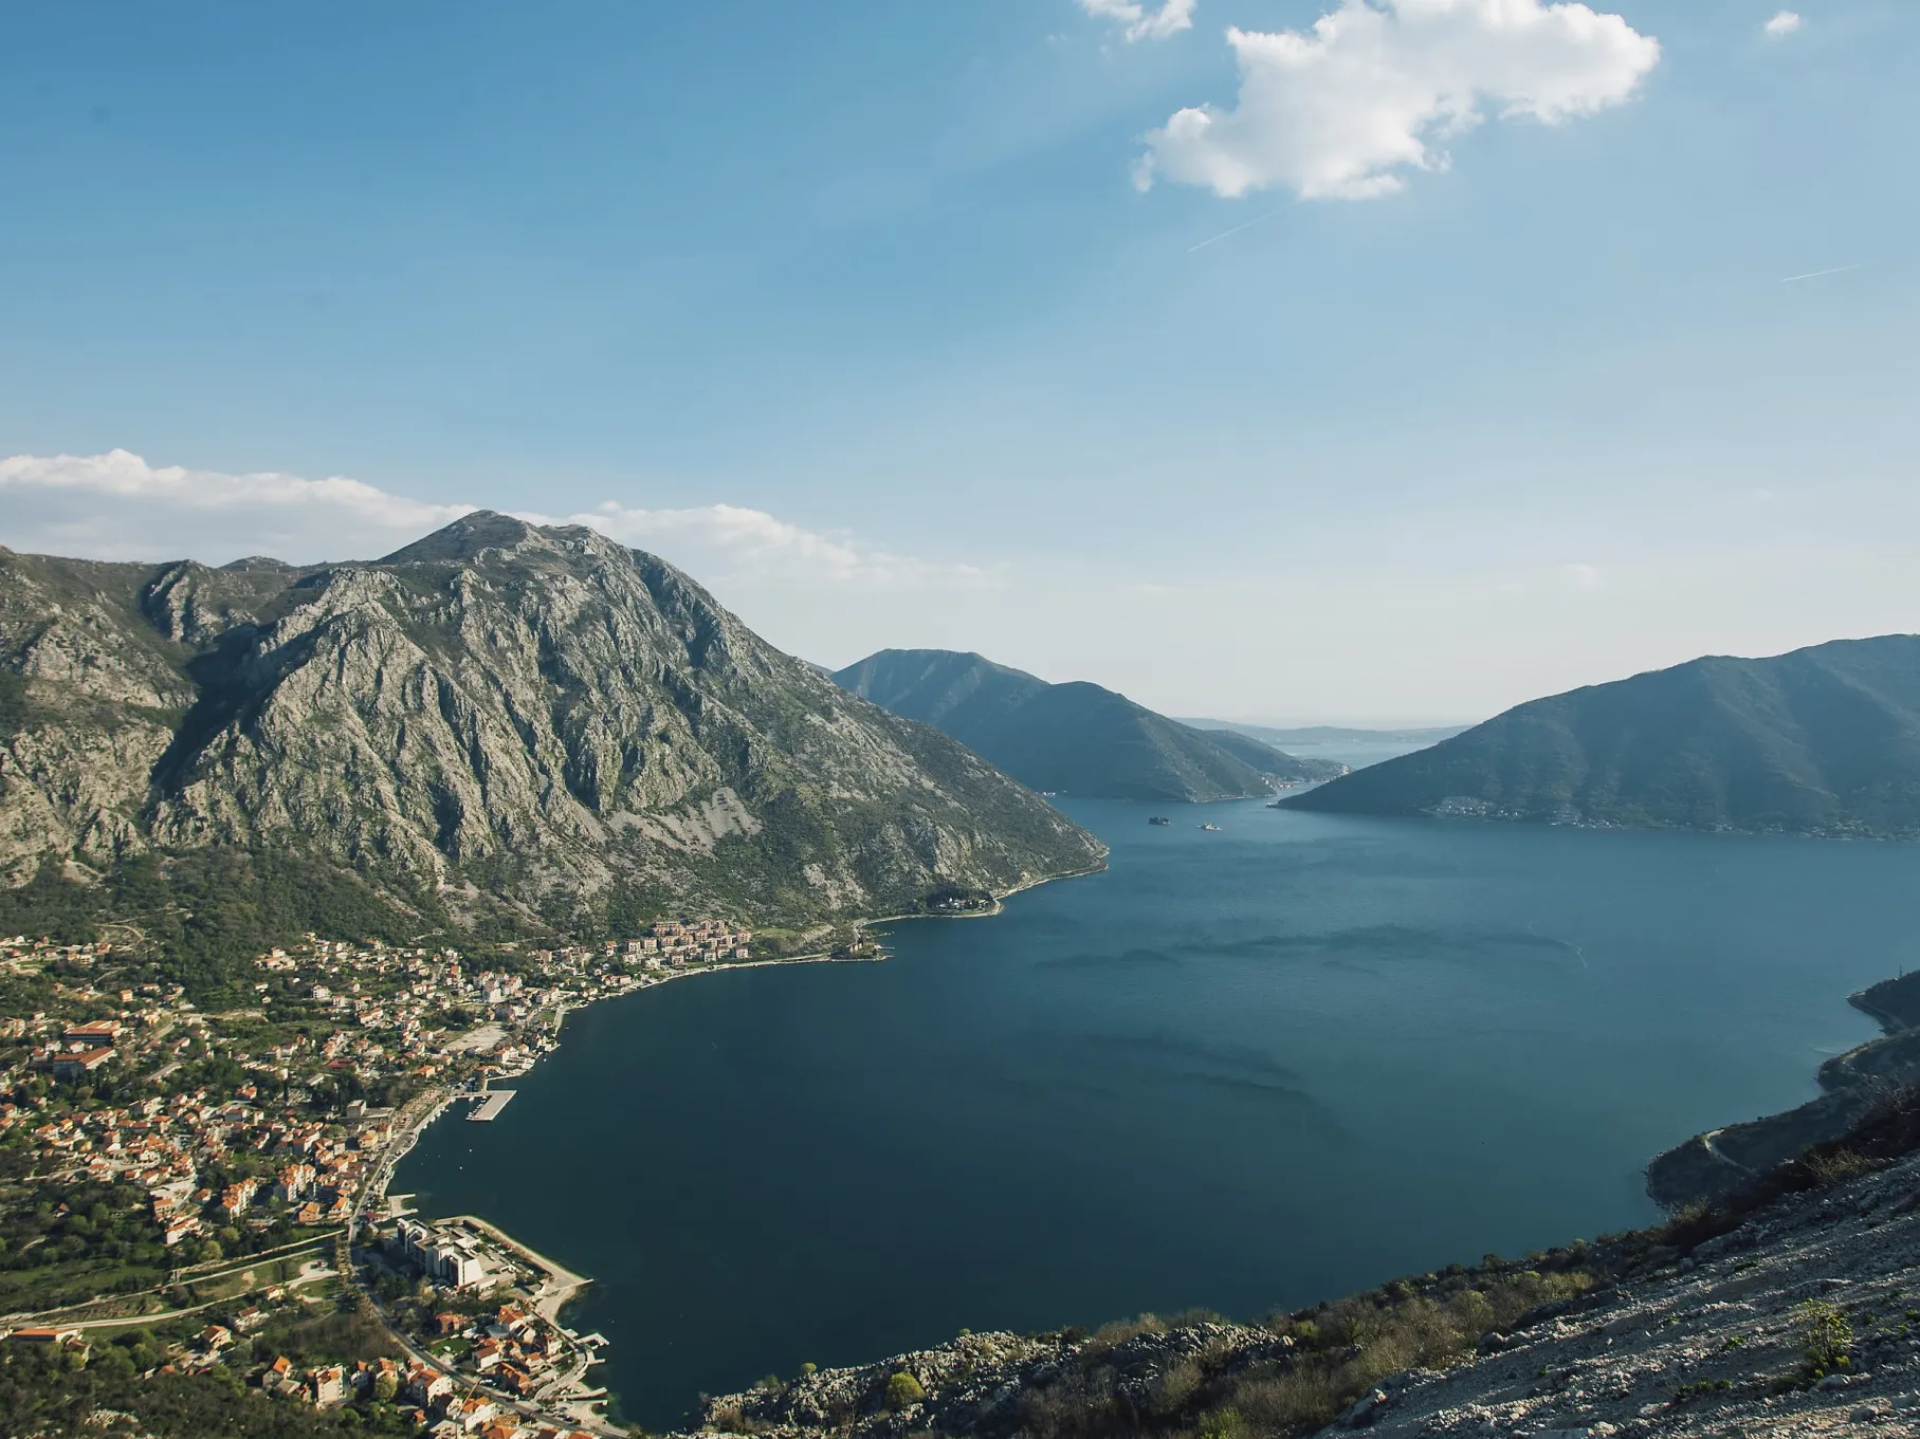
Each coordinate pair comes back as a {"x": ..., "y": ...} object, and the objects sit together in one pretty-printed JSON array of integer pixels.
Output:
[{"x": 498, "y": 707}]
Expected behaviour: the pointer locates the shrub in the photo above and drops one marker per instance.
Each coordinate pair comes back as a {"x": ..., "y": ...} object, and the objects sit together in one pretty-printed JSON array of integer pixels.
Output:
[
  {"x": 1827, "y": 1334},
  {"x": 1177, "y": 1386},
  {"x": 1121, "y": 1330},
  {"x": 1221, "y": 1424},
  {"x": 904, "y": 1391},
  {"x": 1837, "y": 1167}
]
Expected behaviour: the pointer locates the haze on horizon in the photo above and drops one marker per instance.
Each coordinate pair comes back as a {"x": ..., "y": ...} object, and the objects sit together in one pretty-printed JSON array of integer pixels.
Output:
[{"x": 1158, "y": 344}]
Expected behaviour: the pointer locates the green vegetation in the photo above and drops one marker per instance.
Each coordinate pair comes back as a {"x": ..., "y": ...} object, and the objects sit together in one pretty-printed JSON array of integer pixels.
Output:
[
  {"x": 1827, "y": 1335},
  {"x": 52, "y": 1393},
  {"x": 1334, "y": 1354},
  {"x": 13, "y": 704},
  {"x": 206, "y": 915},
  {"x": 1820, "y": 741},
  {"x": 904, "y": 1391},
  {"x": 1075, "y": 738},
  {"x": 62, "y": 1243}
]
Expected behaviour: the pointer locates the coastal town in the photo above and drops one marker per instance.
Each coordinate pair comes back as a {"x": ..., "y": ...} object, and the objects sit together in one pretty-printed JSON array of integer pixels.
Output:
[{"x": 198, "y": 1190}]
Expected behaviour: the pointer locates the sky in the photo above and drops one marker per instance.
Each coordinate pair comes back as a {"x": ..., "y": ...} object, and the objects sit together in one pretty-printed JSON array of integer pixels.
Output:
[{"x": 1308, "y": 360}]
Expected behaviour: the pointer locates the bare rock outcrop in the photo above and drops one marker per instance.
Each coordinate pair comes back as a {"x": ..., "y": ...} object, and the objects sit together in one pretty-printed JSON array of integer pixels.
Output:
[{"x": 523, "y": 709}]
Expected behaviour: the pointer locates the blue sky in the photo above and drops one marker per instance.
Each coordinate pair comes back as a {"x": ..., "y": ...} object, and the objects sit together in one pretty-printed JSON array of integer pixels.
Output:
[{"x": 862, "y": 313}]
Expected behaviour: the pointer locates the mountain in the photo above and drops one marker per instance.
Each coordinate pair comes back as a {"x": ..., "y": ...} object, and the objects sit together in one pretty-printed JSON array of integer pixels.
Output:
[
  {"x": 1072, "y": 738},
  {"x": 497, "y": 715},
  {"x": 1825, "y": 740},
  {"x": 1329, "y": 734}
]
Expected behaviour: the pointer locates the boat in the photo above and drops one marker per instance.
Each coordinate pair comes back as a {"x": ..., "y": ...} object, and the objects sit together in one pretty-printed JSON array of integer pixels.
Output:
[
  {"x": 1211, "y": 828},
  {"x": 1159, "y": 819}
]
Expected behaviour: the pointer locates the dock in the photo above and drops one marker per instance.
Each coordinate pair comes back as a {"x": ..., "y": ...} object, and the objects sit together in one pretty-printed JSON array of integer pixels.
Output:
[{"x": 491, "y": 1103}]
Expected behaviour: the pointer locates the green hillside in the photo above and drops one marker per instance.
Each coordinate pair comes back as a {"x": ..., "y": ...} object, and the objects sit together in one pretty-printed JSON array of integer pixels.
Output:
[
  {"x": 1071, "y": 738},
  {"x": 1825, "y": 740}
]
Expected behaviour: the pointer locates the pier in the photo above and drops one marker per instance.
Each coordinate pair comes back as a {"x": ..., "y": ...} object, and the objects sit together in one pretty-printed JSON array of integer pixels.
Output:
[{"x": 491, "y": 1103}]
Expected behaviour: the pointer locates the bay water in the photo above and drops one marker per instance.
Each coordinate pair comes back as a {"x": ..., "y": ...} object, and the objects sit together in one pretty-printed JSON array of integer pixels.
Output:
[{"x": 1238, "y": 1070}]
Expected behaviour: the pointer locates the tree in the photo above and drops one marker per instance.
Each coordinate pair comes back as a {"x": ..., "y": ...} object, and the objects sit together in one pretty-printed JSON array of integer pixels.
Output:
[{"x": 385, "y": 1387}]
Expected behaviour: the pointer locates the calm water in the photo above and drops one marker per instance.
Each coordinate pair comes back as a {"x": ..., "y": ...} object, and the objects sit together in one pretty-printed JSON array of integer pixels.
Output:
[{"x": 1239, "y": 1070}]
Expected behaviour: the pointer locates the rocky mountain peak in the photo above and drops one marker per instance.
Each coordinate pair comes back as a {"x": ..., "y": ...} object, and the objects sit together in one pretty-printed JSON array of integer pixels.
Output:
[
  {"x": 537, "y": 713},
  {"x": 467, "y": 538}
]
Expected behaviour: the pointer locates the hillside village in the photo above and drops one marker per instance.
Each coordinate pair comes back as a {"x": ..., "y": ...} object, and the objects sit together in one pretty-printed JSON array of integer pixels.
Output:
[{"x": 179, "y": 1186}]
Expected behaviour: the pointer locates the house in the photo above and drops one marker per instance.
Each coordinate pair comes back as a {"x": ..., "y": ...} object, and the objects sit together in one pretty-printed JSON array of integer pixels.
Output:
[
  {"x": 104, "y": 1033},
  {"x": 426, "y": 1386},
  {"x": 486, "y": 1354},
  {"x": 450, "y": 1323},
  {"x": 294, "y": 1182},
  {"x": 503, "y": 1427},
  {"x": 329, "y": 1386},
  {"x": 45, "y": 1335},
  {"x": 80, "y": 1065},
  {"x": 472, "y": 1413},
  {"x": 215, "y": 1337}
]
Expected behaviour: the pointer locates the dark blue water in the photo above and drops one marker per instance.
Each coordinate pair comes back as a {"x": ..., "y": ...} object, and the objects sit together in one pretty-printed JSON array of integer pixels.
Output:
[{"x": 1238, "y": 1070}]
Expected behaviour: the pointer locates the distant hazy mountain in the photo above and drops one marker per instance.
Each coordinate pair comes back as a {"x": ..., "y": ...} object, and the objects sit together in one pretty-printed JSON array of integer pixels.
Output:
[
  {"x": 1329, "y": 734},
  {"x": 1074, "y": 738},
  {"x": 1821, "y": 741}
]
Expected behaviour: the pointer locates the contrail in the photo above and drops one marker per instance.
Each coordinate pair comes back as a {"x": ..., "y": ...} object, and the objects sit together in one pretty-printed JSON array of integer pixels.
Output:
[
  {"x": 1819, "y": 274},
  {"x": 1234, "y": 231}
]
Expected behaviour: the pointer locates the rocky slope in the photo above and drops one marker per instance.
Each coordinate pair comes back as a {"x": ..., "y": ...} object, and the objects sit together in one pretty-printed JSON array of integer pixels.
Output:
[
  {"x": 538, "y": 714},
  {"x": 1821, "y": 741},
  {"x": 1075, "y": 738},
  {"x": 1852, "y": 1084},
  {"x": 1790, "y": 1313}
]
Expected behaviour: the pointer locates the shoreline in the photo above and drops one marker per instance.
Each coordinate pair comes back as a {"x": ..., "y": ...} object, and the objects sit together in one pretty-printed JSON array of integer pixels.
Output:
[
  {"x": 566, "y": 1284},
  {"x": 1702, "y": 1169}
]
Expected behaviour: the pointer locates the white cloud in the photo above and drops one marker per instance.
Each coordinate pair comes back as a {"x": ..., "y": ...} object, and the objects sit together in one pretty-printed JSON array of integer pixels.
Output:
[
  {"x": 752, "y": 547},
  {"x": 1142, "y": 23},
  {"x": 1783, "y": 24},
  {"x": 1341, "y": 111},
  {"x": 118, "y": 507}
]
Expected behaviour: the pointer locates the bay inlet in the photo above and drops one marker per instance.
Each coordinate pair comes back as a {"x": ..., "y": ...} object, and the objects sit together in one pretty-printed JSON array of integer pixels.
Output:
[{"x": 1238, "y": 1070}]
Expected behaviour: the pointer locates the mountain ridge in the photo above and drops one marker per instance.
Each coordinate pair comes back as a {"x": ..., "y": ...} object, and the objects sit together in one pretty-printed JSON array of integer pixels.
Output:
[
  {"x": 496, "y": 712},
  {"x": 1072, "y": 738},
  {"x": 1823, "y": 740}
]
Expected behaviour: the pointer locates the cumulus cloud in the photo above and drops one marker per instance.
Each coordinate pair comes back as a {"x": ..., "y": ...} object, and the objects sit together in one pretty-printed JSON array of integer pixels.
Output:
[
  {"x": 1375, "y": 89},
  {"x": 118, "y": 507},
  {"x": 1783, "y": 24},
  {"x": 1141, "y": 22}
]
